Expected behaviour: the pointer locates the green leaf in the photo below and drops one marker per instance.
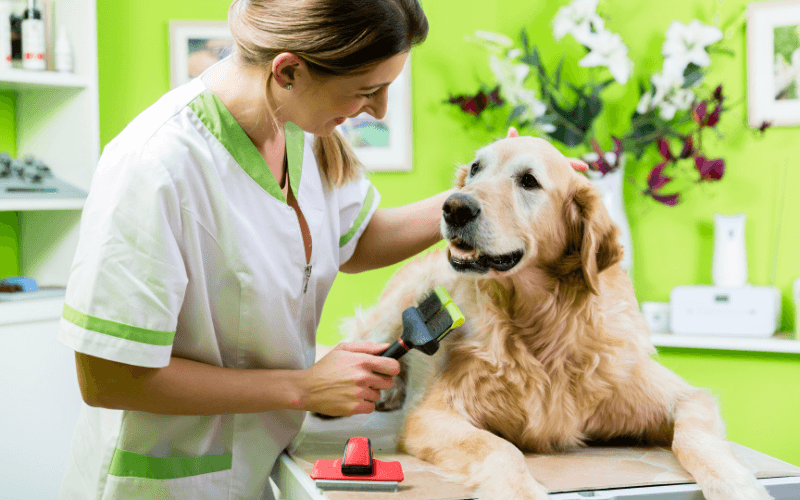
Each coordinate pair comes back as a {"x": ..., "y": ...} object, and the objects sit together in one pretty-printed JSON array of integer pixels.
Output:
[
  {"x": 558, "y": 73},
  {"x": 515, "y": 113}
]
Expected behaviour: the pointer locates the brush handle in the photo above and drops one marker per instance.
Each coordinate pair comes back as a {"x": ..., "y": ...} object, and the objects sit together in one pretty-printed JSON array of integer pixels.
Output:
[{"x": 396, "y": 350}]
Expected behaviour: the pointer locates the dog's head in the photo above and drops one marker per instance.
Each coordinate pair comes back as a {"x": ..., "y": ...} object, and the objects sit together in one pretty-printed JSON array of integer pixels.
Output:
[{"x": 521, "y": 204}]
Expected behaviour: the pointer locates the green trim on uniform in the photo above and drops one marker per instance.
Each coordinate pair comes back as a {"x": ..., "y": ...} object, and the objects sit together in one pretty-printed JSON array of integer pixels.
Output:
[
  {"x": 295, "y": 142},
  {"x": 120, "y": 330},
  {"x": 361, "y": 216},
  {"x": 129, "y": 464},
  {"x": 222, "y": 125}
]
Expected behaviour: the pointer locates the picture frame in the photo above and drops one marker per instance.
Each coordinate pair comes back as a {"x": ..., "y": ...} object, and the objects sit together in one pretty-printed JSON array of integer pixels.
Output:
[
  {"x": 194, "y": 46},
  {"x": 773, "y": 63},
  {"x": 385, "y": 145}
]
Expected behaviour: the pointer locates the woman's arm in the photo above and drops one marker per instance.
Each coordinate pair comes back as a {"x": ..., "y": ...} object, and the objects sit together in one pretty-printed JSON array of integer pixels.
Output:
[
  {"x": 395, "y": 234},
  {"x": 344, "y": 382}
]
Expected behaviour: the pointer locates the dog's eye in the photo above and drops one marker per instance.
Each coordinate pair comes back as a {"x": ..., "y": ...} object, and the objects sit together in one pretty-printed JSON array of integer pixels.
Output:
[
  {"x": 473, "y": 169},
  {"x": 528, "y": 181}
]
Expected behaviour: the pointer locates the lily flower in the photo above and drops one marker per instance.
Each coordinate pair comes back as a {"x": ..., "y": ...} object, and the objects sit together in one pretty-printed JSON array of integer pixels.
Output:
[
  {"x": 577, "y": 19},
  {"x": 608, "y": 49},
  {"x": 710, "y": 170},
  {"x": 687, "y": 43}
]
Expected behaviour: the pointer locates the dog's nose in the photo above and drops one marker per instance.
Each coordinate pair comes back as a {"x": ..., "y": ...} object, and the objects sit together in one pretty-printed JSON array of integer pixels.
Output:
[{"x": 459, "y": 209}]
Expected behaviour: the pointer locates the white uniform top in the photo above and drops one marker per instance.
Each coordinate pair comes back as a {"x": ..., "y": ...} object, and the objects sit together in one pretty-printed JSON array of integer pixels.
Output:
[{"x": 188, "y": 248}]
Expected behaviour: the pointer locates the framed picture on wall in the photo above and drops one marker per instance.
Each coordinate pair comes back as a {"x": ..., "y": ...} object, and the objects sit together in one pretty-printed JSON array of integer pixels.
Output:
[
  {"x": 385, "y": 145},
  {"x": 773, "y": 62},
  {"x": 194, "y": 46}
]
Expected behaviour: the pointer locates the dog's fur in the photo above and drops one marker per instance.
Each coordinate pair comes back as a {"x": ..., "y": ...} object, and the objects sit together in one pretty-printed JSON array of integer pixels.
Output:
[{"x": 554, "y": 352}]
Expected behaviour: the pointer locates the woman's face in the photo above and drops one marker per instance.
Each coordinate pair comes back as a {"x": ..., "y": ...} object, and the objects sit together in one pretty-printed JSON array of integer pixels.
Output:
[{"x": 325, "y": 104}]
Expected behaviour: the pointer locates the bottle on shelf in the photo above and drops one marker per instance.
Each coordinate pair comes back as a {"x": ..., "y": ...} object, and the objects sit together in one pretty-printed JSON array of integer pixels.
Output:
[
  {"x": 63, "y": 52},
  {"x": 5, "y": 34},
  {"x": 33, "y": 39}
]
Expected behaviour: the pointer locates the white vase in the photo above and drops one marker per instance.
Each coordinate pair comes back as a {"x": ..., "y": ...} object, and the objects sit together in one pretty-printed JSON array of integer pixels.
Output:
[
  {"x": 729, "y": 266},
  {"x": 610, "y": 187}
]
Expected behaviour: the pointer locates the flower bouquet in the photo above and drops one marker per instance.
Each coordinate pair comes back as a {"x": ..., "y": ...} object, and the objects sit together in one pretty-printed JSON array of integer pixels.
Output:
[{"x": 675, "y": 107}]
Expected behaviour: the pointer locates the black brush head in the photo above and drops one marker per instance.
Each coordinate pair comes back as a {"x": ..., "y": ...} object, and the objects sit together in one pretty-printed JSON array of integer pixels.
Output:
[
  {"x": 439, "y": 323},
  {"x": 430, "y": 305}
]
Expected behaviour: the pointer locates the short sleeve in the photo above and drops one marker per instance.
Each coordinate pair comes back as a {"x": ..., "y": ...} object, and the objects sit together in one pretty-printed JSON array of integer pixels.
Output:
[
  {"x": 358, "y": 202},
  {"x": 128, "y": 278}
]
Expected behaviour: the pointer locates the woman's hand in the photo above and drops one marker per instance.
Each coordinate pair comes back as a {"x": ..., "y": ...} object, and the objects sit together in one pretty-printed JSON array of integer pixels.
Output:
[{"x": 346, "y": 381}]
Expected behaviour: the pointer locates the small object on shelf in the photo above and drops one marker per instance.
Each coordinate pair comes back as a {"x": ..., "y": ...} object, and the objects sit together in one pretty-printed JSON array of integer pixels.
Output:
[
  {"x": 31, "y": 178},
  {"x": 27, "y": 284},
  {"x": 729, "y": 266},
  {"x": 656, "y": 315},
  {"x": 64, "y": 61},
  {"x": 747, "y": 311},
  {"x": 796, "y": 295},
  {"x": 34, "y": 43},
  {"x": 5, "y": 35}
]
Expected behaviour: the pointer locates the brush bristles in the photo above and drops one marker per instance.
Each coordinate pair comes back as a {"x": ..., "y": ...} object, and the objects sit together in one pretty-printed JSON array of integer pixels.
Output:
[{"x": 430, "y": 305}]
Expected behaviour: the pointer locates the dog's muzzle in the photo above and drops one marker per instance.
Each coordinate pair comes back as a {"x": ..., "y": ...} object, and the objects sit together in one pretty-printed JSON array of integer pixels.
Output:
[{"x": 460, "y": 211}]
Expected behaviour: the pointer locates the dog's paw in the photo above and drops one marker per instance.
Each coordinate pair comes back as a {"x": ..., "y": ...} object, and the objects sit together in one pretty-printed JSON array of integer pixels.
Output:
[{"x": 739, "y": 488}]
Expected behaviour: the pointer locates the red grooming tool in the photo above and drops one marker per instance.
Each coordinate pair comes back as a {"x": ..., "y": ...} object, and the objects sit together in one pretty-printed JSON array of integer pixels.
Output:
[{"x": 357, "y": 470}]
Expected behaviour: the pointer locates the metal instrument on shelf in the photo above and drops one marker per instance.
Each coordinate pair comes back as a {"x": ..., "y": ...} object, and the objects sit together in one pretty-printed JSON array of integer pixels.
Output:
[{"x": 31, "y": 178}]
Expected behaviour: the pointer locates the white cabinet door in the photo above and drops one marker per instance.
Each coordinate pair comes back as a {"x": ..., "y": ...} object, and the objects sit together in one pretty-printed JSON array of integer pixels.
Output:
[{"x": 39, "y": 406}]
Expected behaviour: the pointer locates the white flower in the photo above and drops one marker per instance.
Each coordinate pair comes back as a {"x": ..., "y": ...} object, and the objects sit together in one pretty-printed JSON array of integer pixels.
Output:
[
  {"x": 687, "y": 43},
  {"x": 664, "y": 83},
  {"x": 610, "y": 157},
  {"x": 508, "y": 73},
  {"x": 644, "y": 103},
  {"x": 576, "y": 19},
  {"x": 667, "y": 110},
  {"x": 495, "y": 42},
  {"x": 591, "y": 157},
  {"x": 608, "y": 49},
  {"x": 682, "y": 98}
]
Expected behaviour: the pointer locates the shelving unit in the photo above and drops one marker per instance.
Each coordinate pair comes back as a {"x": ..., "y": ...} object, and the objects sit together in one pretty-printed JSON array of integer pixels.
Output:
[
  {"x": 57, "y": 122},
  {"x": 780, "y": 342}
]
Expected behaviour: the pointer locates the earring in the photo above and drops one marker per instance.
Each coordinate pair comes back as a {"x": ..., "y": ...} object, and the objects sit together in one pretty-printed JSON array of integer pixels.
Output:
[{"x": 288, "y": 86}]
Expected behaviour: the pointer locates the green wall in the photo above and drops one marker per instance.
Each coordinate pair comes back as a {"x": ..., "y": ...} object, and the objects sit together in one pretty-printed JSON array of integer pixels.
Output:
[
  {"x": 9, "y": 221},
  {"x": 758, "y": 393}
]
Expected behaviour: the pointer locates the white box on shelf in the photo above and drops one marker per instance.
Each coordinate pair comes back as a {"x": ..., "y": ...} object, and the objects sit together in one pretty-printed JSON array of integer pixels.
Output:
[{"x": 748, "y": 311}]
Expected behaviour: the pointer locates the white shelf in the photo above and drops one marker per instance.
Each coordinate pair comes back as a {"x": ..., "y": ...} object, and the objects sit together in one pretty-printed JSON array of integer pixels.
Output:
[
  {"x": 780, "y": 342},
  {"x": 25, "y": 204},
  {"x": 20, "y": 79},
  {"x": 31, "y": 310}
]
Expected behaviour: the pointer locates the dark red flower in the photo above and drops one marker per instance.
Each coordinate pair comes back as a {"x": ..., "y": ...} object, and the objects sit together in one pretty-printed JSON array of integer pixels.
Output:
[
  {"x": 713, "y": 118},
  {"x": 474, "y": 105},
  {"x": 718, "y": 94},
  {"x": 656, "y": 180},
  {"x": 688, "y": 148},
  {"x": 663, "y": 148},
  {"x": 601, "y": 164},
  {"x": 667, "y": 199},
  {"x": 710, "y": 170},
  {"x": 494, "y": 97},
  {"x": 699, "y": 113}
]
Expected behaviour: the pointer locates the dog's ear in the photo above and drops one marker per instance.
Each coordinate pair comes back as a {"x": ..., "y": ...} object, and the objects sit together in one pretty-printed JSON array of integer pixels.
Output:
[{"x": 592, "y": 238}]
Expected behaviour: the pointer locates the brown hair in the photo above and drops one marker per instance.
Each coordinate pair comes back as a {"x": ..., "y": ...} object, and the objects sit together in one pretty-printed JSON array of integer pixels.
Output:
[{"x": 334, "y": 38}]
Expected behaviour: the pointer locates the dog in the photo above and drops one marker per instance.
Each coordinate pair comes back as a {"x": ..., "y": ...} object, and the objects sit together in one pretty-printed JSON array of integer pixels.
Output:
[{"x": 554, "y": 352}]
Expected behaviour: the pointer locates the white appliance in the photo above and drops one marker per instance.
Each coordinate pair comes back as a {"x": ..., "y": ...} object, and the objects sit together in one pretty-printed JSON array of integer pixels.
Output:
[
  {"x": 748, "y": 311},
  {"x": 729, "y": 267}
]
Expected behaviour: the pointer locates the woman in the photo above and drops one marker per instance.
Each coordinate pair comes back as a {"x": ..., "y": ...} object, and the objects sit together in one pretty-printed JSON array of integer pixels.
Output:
[{"x": 216, "y": 223}]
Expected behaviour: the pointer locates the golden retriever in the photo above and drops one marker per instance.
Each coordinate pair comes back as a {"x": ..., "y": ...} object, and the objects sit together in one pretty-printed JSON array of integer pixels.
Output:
[{"x": 553, "y": 353}]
